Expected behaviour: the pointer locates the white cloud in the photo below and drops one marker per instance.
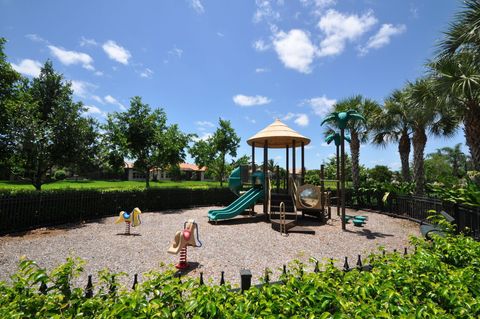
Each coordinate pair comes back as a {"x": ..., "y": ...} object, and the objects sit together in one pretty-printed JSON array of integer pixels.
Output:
[
  {"x": 147, "y": 73},
  {"x": 35, "y": 38},
  {"x": 302, "y": 119},
  {"x": 116, "y": 52},
  {"x": 220, "y": 34},
  {"x": 260, "y": 46},
  {"x": 93, "y": 110},
  {"x": 295, "y": 50},
  {"x": 82, "y": 88},
  {"x": 87, "y": 42},
  {"x": 28, "y": 67},
  {"x": 382, "y": 37},
  {"x": 205, "y": 124},
  {"x": 261, "y": 70},
  {"x": 309, "y": 147},
  {"x": 245, "y": 100},
  {"x": 97, "y": 99},
  {"x": 197, "y": 6},
  {"x": 176, "y": 52},
  {"x": 265, "y": 11},
  {"x": 203, "y": 137},
  {"x": 72, "y": 57},
  {"x": 340, "y": 28},
  {"x": 111, "y": 100},
  {"x": 321, "y": 105},
  {"x": 318, "y": 4}
]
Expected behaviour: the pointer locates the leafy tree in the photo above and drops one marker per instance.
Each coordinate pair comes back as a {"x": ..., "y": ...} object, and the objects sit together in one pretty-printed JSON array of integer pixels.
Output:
[
  {"x": 456, "y": 158},
  {"x": 143, "y": 135},
  {"x": 359, "y": 130},
  {"x": 10, "y": 82},
  {"x": 48, "y": 128},
  {"x": 381, "y": 173},
  {"x": 393, "y": 125},
  {"x": 439, "y": 170},
  {"x": 428, "y": 115},
  {"x": 213, "y": 151}
]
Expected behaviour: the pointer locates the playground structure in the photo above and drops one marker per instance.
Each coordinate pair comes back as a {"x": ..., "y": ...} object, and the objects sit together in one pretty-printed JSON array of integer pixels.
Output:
[
  {"x": 295, "y": 195},
  {"x": 131, "y": 219},
  {"x": 187, "y": 237}
]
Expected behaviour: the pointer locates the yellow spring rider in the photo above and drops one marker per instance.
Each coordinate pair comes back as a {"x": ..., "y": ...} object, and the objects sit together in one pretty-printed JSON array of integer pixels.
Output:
[
  {"x": 132, "y": 218},
  {"x": 185, "y": 238}
]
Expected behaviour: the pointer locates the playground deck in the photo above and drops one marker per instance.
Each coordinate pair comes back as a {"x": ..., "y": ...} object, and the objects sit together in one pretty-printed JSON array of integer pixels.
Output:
[{"x": 241, "y": 242}]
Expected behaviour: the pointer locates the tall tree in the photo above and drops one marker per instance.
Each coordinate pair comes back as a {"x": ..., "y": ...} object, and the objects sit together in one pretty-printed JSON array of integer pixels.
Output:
[
  {"x": 393, "y": 124},
  {"x": 214, "y": 150},
  {"x": 142, "y": 134},
  {"x": 359, "y": 130},
  {"x": 429, "y": 115},
  {"x": 456, "y": 71},
  {"x": 456, "y": 158},
  {"x": 48, "y": 128},
  {"x": 10, "y": 83}
]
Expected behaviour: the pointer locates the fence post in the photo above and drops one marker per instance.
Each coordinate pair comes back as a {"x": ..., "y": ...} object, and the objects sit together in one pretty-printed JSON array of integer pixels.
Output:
[
  {"x": 89, "y": 288},
  {"x": 246, "y": 279},
  {"x": 222, "y": 279}
]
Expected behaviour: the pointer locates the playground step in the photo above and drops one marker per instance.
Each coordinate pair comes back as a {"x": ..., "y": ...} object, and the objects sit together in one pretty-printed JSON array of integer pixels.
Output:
[
  {"x": 301, "y": 230},
  {"x": 288, "y": 224}
]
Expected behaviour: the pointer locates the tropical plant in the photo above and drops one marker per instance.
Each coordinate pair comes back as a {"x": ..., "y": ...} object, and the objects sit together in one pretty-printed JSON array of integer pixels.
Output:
[
  {"x": 438, "y": 279},
  {"x": 428, "y": 115},
  {"x": 393, "y": 125}
]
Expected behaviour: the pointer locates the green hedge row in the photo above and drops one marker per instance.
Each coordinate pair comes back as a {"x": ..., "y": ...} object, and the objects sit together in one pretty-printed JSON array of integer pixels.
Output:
[
  {"x": 27, "y": 210},
  {"x": 439, "y": 280}
]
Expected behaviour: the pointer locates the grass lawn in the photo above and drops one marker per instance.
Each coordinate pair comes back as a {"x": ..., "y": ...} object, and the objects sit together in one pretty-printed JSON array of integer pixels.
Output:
[{"x": 108, "y": 185}]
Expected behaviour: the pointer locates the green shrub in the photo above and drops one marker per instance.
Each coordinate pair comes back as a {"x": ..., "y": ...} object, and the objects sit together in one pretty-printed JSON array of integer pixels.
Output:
[
  {"x": 441, "y": 279},
  {"x": 60, "y": 175}
]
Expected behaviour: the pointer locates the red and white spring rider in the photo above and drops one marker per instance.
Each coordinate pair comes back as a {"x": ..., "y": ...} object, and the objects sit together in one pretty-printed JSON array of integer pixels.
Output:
[{"x": 182, "y": 240}]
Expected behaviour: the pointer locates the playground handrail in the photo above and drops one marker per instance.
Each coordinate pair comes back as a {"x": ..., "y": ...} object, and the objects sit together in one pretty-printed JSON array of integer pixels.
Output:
[{"x": 267, "y": 180}]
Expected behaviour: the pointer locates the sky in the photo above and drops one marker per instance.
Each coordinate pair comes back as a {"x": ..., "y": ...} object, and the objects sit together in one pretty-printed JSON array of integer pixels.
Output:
[{"x": 245, "y": 61}]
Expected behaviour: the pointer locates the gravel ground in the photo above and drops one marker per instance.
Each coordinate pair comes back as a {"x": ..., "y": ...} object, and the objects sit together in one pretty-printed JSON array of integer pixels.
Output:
[{"x": 243, "y": 242}]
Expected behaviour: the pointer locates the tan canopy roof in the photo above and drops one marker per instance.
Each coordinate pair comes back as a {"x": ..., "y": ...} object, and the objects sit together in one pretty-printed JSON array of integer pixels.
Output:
[{"x": 278, "y": 135}]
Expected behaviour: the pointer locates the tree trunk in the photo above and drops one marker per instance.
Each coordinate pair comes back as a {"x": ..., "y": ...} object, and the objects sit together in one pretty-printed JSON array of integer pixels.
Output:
[
  {"x": 419, "y": 142},
  {"x": 471, "y": 123},
  {"x": 147, "y": 178},
  {"x": 355, "y": 153},
  {"x": 222, "y": 170},
  {"x": 337, "y": 162},
  {"x": 404, "y": 150}
]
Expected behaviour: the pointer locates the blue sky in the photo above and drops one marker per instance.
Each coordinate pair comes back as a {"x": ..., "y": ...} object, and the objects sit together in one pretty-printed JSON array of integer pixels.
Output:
[{"x": 245, "y": 61}]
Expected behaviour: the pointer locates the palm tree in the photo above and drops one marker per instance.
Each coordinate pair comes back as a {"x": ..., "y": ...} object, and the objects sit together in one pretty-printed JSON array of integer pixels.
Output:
[
  {"x": 359, "y": 130},
  {"x": 341, "y": 120},
  {"x": 457, "y": 72},
  {"x": 394, "y": 125},
  {"x": 428, "y": 115}
]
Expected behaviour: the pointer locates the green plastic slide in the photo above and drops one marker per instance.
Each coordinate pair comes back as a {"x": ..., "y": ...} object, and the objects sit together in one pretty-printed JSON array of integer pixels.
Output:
[{"x": 238, "y": 206}]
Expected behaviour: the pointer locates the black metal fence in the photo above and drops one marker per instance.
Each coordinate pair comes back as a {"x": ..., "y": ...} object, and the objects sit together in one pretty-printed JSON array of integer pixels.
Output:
[
  {"x": 23, "y": 211},
  {"x": 416, "y": 208}
]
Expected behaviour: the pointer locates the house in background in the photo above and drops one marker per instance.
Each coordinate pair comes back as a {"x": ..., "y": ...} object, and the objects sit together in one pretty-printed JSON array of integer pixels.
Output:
[{"x": 188, "y": 171}]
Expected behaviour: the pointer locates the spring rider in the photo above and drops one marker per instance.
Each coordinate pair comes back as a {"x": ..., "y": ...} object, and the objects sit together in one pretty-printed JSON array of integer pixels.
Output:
[
  {"x": 182, "y": 240},
  {"x": 132, "y": 218}
]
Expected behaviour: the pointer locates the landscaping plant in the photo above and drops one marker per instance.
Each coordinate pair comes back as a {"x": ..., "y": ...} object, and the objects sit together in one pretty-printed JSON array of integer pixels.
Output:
[{"x": 440, "y": 279}]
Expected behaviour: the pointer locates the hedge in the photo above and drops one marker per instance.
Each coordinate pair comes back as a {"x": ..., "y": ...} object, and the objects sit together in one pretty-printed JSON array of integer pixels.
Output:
[{"x": 26, "y": 210}]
